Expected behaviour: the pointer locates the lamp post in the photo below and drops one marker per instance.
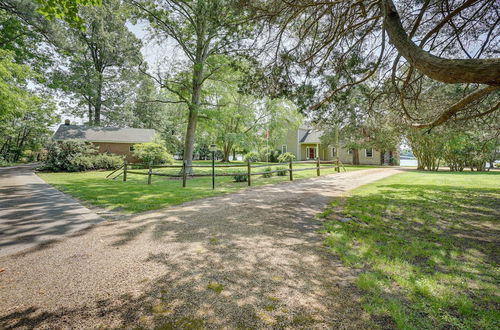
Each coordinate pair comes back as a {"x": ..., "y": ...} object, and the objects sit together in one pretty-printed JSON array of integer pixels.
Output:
[{"x": 213, "y": 149}]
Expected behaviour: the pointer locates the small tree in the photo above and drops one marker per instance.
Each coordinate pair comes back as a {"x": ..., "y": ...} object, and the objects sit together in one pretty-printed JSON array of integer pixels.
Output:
[
  {"x": 252, "y": 156},
  {"x": 153, "y": 153},
  {"x": 286, "y": 157}
]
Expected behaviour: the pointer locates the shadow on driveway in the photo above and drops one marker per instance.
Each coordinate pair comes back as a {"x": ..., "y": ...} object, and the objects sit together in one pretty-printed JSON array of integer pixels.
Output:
[{"x": 32, "y": 212}]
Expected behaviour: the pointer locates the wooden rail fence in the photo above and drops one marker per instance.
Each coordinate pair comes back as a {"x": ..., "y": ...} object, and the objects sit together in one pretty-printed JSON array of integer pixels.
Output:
[{"x": 184, "y": 173}]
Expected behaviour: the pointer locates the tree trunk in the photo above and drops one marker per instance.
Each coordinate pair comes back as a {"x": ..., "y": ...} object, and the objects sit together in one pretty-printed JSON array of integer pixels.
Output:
[
  {"x": 234, "y": 154},
  {"x": 355, "y": 157},
  {"x": 193, "y": 115},
  {"x": 26, "y": 133},
  {"x": 91, "y": 113},
  {"x": 227, "y": 152},
  {"x": 481, "y": 71},
  {"x": 6, "y": 142},
  {"x": 98, "y": 102}
]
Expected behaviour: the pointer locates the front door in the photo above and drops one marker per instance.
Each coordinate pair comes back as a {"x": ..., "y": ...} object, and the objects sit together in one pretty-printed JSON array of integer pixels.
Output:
[{"x": 312, "y": 153}]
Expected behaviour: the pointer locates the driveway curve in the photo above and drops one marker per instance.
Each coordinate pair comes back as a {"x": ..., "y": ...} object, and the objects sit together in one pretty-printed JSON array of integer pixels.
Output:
[
  {"x": 32, "y": 212},
  {"x": 252, "y": 259}
]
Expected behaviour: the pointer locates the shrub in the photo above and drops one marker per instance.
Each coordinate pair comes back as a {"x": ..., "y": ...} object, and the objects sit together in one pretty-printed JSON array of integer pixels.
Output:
[
  {"x": 251, "y": 157},
  {"x": 286, "y": 157},
  {"x": 154, "y": 153},
  {"x": 76, "y": 155},
  {"x": 4, "y": 162},
  {"x": 61, "y": 155},
  {"x": 267, "y": 175},
  {"x": 107, "y": 161},
  {"x": 282, "y": 171},
  {"x": 497, "y": 165},
  {"x": 82, "y": 163},
  {"x": 240, "y": 177},
  {"x": 268, "y": 154},
  {"x": 28, "y": 156}
]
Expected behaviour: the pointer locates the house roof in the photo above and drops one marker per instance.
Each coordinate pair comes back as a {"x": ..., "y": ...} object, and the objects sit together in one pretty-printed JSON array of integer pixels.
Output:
[
  {"x": 309, "y": 136},
  {"x": 104, "y": 134}
]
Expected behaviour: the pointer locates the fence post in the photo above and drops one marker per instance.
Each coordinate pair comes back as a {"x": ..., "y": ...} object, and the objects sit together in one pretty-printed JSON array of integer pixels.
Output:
[
  {"x": 290, "y": 170},
  {"x": 124, "y": 170},
  {"x": 213, "y": 170},
  {"x": 249, "y": 174},
  {"x": 317, "y": 166},
  {"x": 184, "y": 174},
  {"x": 149, "y": 173}
]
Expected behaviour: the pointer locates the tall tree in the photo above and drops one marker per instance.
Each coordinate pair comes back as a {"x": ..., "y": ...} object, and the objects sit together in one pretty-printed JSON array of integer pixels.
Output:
[
  {"x": 202, "y": 29},
  {"x": 100, "y": 66},
  {"x": 14, "y": 95},
  {"x": 28, "y": 130},
  {"x": 151, "y": 109}
]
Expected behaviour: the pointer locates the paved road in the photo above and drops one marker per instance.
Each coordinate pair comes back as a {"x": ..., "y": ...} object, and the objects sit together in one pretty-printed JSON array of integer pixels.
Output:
[
  {"x": 32, "y": 212},
  {"x": 252, "y": 259}
]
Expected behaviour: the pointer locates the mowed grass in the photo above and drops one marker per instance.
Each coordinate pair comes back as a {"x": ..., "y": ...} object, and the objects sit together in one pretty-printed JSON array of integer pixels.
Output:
[
  {"x": 136, "y": 195},
  {"x": 427, "y": 246}
]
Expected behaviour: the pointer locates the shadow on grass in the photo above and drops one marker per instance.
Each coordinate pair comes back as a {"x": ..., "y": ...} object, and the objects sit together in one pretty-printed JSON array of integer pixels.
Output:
[{"x": 430, "y": 253}]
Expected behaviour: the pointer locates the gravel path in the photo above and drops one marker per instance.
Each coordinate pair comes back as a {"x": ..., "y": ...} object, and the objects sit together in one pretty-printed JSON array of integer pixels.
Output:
[{"x": 252, "y": 259}]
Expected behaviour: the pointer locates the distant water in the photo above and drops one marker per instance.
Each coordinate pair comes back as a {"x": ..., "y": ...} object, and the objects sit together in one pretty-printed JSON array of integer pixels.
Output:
[{"x": 408, "y": 162}]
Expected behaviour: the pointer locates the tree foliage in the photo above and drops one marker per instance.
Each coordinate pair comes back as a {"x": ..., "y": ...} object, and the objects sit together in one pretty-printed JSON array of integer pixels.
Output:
[
  {"x": 152, "y": 153},
  {"x": 242, "y": 121},
  {"x": 202, "y": 29},
  {"x": 99, "y": 70},
  {"x": 332, "y": 46},
  {"x": 66, "y": 10}
]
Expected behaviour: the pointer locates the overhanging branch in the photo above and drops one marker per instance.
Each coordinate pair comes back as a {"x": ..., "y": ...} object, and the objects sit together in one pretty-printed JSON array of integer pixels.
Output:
[
  {"x": 481, "y": 71},
  {"x": 459, "y": 106}
]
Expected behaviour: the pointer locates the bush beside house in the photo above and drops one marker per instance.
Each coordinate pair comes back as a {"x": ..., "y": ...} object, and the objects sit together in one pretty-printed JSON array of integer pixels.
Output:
[
  {"x": 286, "y": 157},
  {"x": 153, "y": 153},
  {"x": 77, "y": 155}
]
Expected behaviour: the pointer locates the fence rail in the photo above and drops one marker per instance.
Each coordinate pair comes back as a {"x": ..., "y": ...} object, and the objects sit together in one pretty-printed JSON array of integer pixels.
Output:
[{"x": 184, "y": 173}]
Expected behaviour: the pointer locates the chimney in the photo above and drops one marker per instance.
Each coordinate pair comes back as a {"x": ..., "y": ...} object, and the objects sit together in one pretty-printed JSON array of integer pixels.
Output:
[{"x": 66, "y": 122}]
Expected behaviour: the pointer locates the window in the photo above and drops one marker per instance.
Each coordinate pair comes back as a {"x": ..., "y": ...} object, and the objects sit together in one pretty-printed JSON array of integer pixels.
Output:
[
  {"x": 283, "y": 148},
  {"x": 131, "y": 148},
  {"x": 369, "y": 153},
  {"x": 350, "y": 151},
  {"x": 334, "y": 152}
]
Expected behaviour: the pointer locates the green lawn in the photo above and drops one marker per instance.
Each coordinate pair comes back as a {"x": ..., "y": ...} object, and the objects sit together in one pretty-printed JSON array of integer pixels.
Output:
[
  {"x": 136, "y": 195},
  {"x": 427, "y": 246}
]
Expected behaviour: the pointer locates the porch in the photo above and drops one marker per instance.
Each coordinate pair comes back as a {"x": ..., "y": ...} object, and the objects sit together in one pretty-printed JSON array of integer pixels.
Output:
[{"x": 310, "y": 151}]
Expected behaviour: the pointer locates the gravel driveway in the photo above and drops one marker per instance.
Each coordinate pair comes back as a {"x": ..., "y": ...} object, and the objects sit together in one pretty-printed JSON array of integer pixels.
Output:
[{"x": 252, "y": 259}]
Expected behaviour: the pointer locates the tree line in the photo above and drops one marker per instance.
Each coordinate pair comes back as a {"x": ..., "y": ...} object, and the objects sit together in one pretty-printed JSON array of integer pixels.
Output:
[{"x": 373, "y": 72}]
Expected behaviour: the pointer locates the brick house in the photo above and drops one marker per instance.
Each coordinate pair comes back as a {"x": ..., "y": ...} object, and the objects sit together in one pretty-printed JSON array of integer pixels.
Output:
[{"x": 119, "y": 141}]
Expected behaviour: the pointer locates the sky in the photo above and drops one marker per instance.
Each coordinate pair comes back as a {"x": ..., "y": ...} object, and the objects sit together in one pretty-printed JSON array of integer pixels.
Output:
[{"x": 151, "y": 50}]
